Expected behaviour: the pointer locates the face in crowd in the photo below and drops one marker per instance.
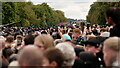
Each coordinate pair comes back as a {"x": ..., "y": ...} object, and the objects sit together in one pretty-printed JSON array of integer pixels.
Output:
[
  {"x": 44, "y": 41},
  {"x": 111, "y": 50},
  {"x": 76, "y": 33},
  {"x": 91, "y": 48}
]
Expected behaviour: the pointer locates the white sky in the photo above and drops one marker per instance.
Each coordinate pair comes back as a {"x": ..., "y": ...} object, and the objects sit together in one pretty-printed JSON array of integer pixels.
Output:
[{"x": 76, "y": 9}]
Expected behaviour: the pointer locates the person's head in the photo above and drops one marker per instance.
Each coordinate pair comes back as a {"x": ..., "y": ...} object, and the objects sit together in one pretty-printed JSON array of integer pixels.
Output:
[
  {"x": 43, "y": 32},
  {"x": 92, "y": 45},
  {"x": 103, "y": 30},
  {"x": 44, "y": 41},
  {"x": 30, "y": 56},
  {"x": 64, "y": 31},
  {"x": 91, "y": 48},
  {"x": 19, "y": 39},
  {"x": 88, "y": 60},
  {"x": 87, "y": 56},
  {"x": 55, "y": 57},
  {"x": 57, "y": 41},
  {"x": 90, "y": 37},
  {"x": 110, "y": 49},
  {"x": 82, "y": 24},
  {"x": 78, "y": 50},
  {"x": 15, "y": 35},
  {"x": 112, "y": 16},
  {"x": 9, "y": 39},
  {"x": 77, "y": 32},
  {"x": 55, "y": 35},
  {"x": 7, "y": 52},
  {"x": 29, "y": 39},
  {"x": 69, "y": 53}
]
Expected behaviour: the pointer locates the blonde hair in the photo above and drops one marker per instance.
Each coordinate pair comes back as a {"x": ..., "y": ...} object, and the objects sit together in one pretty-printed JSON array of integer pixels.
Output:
[
  {"x": 46, "y": 40},
  {"x": 90, "y": 37},
  {"x": 113, "y": 43}
]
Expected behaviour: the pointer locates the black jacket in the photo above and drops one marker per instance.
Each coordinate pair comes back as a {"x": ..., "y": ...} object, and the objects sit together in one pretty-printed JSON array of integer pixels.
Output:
[{"x": 115, "y": 31}]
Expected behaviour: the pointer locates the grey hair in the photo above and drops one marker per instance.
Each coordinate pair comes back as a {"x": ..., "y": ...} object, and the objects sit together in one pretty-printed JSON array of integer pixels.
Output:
[
  {"x": 68, "y": 51},
  {"x": 57, "y": 41}
]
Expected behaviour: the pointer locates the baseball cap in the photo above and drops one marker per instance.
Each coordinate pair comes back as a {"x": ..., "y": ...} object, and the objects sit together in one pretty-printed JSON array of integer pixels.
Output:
[{"x": 92, "y": 42}]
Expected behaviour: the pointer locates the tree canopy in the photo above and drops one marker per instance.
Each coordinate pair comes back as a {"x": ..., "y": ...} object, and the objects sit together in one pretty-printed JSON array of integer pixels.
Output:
[
  {"x": 30, "y": 14},
  {"x": 97, "y": 10}
]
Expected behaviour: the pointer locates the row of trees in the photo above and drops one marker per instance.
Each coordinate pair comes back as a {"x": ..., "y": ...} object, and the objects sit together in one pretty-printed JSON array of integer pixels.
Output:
[
  {"x": 97, "y": 10},
  {"x": 28, "y": 13}
]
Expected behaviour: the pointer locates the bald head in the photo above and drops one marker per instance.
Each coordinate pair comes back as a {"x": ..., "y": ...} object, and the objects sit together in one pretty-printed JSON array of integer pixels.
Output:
[{"x": 30, "y": 56}]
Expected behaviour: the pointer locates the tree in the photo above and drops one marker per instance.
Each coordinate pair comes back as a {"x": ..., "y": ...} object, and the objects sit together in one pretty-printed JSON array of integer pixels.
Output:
[
  {"x": 97, "y": 10},
  {"x": 9, "y": 12},
  {"x": 30, "y": 14},
  {"x": 47, "y": 15},
  {"x": 60, "y": 16}
]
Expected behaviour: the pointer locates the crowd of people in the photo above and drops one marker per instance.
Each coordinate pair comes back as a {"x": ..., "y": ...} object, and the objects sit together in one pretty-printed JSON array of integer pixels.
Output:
[{"x": 71, "y": 46}]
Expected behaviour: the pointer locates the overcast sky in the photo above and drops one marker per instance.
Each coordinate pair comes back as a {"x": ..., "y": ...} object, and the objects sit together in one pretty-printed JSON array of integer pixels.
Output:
[{"x": 76, "y": 9}]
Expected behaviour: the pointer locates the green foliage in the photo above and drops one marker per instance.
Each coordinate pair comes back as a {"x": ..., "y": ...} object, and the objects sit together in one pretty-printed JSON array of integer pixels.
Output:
[
  {"x": 47, "y": 15},
  {"x": 26, "y": 22},
  {"x": 27, "y": 13},
  {"x": 9, "y": 12},
  {"x": 60, "y": 16},
  {"x": 97, "y": 10}
]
